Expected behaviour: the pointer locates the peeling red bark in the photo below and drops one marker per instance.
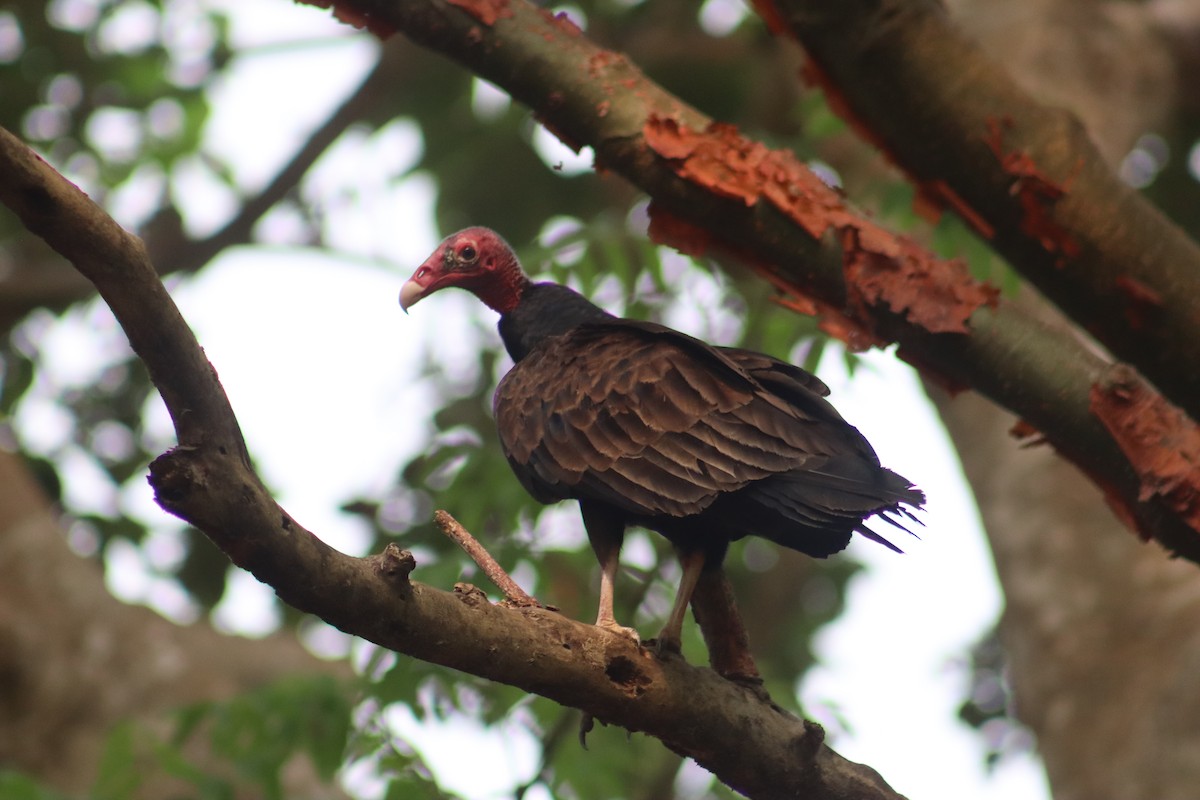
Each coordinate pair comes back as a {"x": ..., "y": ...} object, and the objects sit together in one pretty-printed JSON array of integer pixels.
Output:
[
  {"x": 912, "y": 83},
  {"x": 881, "y": 269},
  {"x": 936, "y": 294},
  {"x": 362, "y": 19},
  {"x": 600, "y": 61},
  {"x": 717, "y": 158},
  {"x": 771, "y": 15},
  {"x": 486, "y": 11},
  {"x": 562, "y": 22},
  {"x": 1035, "y": 191},
  {"x": 854, "y": 334},
  {"x": 1160, "y": 441},
  {"x": 1142, "y": 300},
  {"x": 935, "y": 196},
  {"x": 1028, "y": 435},
  {"x": 668, "y": 229}
]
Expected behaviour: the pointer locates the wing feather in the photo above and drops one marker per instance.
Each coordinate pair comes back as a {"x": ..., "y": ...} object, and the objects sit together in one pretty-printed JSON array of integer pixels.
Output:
[
  {"x": 750, "y": 445},
  {"x": 660, "y": 427},
  {"x": 645, "y": 418}
]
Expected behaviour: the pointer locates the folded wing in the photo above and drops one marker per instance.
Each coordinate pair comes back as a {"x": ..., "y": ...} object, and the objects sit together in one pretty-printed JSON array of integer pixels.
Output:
[{"x": 662, "y": 426}]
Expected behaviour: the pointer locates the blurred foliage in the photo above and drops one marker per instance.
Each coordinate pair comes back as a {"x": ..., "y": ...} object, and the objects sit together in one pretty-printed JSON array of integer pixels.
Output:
[
  {"x": 255, "y": 735},
  {"x": 14, "y": 786},
  {"x": 118, "y": 92},
  {"x": 113, "y": 93},
  {"x": 107, "y": 87},
  {"x": 1171, "y": 168},
  {"x": 989, "y": 706},
  {"x": 260, "y": 731}
]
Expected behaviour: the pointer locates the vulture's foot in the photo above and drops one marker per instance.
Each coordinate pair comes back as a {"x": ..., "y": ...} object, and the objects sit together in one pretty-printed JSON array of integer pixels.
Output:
[
  {"x": 666, "y": 645},
  {"x": 622, "y": 631}
]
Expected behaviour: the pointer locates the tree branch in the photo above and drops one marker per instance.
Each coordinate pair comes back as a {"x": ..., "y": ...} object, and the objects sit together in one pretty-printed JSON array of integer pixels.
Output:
[
  {"x": 974, "y": 142},
  {"x": 208, "y": 480},
  {"x": 471, "y": 546},
  {"x": 872, "y": 286}
]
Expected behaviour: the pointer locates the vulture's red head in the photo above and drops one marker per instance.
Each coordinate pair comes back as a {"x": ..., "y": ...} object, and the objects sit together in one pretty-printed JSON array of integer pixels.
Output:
[{"x": 475, "y": 259}]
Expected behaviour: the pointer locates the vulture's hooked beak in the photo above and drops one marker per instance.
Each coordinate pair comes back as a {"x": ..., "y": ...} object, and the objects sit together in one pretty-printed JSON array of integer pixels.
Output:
[
  {"x": 410, "y": 293},
  {"x": 420, "y": 284}
]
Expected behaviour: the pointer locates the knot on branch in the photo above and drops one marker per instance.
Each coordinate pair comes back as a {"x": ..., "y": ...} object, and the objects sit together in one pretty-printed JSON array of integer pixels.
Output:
[
  {"x": 394, "y": 565},
  {"x": 473, "y": 596},
  {"x": 174, "y": 476},
  {"x": 809, "y": 744}
]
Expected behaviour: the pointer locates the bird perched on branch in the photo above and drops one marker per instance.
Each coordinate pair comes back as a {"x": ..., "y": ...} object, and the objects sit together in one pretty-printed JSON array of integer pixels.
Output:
[{"x": 644, "y": 425}]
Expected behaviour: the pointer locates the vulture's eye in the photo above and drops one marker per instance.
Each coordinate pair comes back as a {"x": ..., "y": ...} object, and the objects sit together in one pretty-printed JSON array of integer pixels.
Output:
[{"x": 467, "y": 253}]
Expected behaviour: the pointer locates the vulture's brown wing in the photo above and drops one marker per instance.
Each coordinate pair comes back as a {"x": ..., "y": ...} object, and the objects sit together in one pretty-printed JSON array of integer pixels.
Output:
[
  {"x": 649, "y": 420},
  {"x": 806, "y": 394}
]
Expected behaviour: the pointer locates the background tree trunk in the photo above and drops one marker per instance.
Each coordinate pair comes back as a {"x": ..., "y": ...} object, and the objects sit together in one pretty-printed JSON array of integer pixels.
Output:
[
  {"x": 75, "y": 661},
  {"x": 1100, "y": 628}
]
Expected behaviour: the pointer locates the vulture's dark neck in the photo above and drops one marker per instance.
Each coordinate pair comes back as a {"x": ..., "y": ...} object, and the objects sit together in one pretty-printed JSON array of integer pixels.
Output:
[{"x": 545, "y": 310}]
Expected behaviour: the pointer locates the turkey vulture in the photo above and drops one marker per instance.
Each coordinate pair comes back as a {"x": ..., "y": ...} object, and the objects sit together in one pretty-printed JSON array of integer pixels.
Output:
[{"x": 644, "y": 425}]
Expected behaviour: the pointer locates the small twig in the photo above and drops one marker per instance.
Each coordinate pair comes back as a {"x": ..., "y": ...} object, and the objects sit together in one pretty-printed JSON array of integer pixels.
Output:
[{"x": 496, "y": 574}]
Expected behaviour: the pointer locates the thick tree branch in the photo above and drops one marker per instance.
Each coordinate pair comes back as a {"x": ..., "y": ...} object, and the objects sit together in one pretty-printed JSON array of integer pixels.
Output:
[
  {"x": 733, "y": 193},
  {"x": 1028, "y": 176},
  {"x": 208, "y": 480}
]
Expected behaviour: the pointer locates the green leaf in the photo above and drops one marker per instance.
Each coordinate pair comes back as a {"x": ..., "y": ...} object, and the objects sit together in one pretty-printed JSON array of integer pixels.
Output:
[
  {"x": 260, "y": 731},
  {"x": 818, "y": 118},
  {"x": 17, "y": 378},
  {"x": 410, "y": 785},
  {"x": 15, "y": 786},
  {"x": 326, "y": 726},
  {"x": 118, "y": 775}
]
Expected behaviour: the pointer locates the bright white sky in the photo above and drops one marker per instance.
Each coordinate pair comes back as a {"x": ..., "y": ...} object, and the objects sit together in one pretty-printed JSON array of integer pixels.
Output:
[{"x": 320, "y": 365}]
